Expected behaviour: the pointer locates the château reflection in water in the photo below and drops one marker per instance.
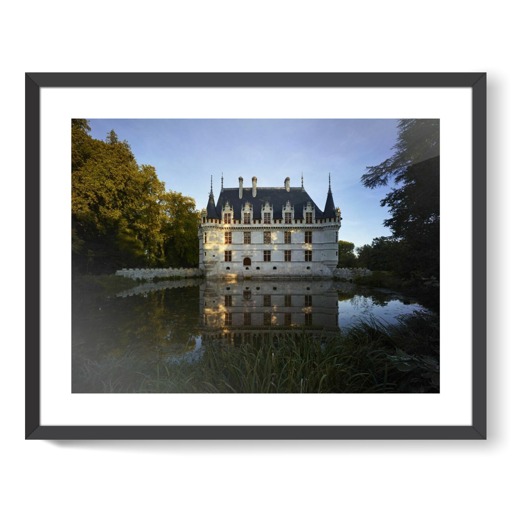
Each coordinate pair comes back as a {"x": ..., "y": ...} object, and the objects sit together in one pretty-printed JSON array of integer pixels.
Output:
[
  {"x": 216, "y": 309},
  {"x": 119, "y": 340},
  {"x": 245, "y": 310}
]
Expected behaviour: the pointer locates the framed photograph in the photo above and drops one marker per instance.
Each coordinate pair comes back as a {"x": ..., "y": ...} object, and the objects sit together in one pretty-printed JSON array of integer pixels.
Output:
[{"x": 255, "y": 256}]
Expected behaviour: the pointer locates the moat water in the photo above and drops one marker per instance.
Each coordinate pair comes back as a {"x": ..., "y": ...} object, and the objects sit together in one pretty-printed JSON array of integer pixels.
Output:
[{"x": 171, "y": 321}]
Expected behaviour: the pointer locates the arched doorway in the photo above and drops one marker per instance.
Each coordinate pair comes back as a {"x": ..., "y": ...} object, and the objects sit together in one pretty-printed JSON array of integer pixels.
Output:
[{"x": 247, "y": 262}]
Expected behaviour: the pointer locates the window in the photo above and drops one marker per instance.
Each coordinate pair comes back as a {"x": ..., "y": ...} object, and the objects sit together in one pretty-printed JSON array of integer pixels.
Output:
[
  {"x": 266, "y": 301},
  {"x": 266, "y": 218},
  {"x": 308, "y": 300},
  {"x": 247, "y": 318},
  {"x": 308, "y": 237},
  {"x": 287, "y": 301},
  {"x": 228, "y": 237},
  {"x": 287, "y": 237},
  {"x": 266, "y": 256},
  {"x": 309, "y": 217},
  {"x": 287, "y": 319},
  {"x": 227, "y": 218},
  {"x": 267, "y": 237},
  {"x": 287, "y": 255},
  {"x": 206, "y": 238},
  {"x": 308, "y": 319},
  {"x": 227, "y": 255},
  {"x": 228, "y": 318},
  {"x": 247, "y": 237},
  {"x": 247, "y": 294},
  {"x": 228, "y": 300},
  {"x": 308, "y": 256},
  {"x": 267, "y": 318},
  {"x": 247, "y": 217},
  {"x": 288, "y": 217}
]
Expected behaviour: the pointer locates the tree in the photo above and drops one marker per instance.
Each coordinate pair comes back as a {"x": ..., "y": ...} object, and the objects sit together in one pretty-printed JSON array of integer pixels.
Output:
[
  {"x": 121, "y": 214},
  {"x": 346, "y": 256},
  {"x": 413, "y": 202},
  {"x": 181, "y": 246},
  {"x": 384, "y": 253}
]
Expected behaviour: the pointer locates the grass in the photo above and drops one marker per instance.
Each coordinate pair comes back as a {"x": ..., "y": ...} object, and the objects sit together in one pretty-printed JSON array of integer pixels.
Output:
[{"x": 370, "y": 358}]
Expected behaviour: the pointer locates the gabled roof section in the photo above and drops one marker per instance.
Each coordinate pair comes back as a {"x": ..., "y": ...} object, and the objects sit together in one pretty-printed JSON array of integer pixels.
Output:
[{"x": 277, "y": 197}]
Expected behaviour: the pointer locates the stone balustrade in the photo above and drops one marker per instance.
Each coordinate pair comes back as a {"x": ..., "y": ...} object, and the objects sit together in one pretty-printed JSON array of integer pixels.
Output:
[{"x": 147, "y": 274}]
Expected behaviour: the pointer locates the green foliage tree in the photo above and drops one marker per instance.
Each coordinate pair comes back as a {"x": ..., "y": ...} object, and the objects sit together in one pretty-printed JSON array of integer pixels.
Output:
[
  {"x": 413, "y": 201},
  {"x": 121, "y": 214},
  {"x": 346, "y": 255},
  {"x": 181, "y": 248},
  {"x": 384, "y": 253}
]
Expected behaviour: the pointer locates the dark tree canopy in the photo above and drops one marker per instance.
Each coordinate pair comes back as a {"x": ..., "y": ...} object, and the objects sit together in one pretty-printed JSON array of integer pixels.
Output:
[
  {"x": 346, "y": 255},
  {"x": 413, "y": 202},
  {"x": 121, "y": 213}
]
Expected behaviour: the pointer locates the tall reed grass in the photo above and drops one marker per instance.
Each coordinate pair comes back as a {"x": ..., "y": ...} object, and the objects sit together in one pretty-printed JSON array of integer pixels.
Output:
[{"x": 369, "y": 358}]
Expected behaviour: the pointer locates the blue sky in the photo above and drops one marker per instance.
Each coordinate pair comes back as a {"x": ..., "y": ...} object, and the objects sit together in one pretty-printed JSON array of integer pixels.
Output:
[{"x": 186, "y": 152}]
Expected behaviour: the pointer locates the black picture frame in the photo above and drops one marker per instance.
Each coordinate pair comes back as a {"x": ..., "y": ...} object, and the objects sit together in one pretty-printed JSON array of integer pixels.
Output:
[{"x": 35, "y": 82}]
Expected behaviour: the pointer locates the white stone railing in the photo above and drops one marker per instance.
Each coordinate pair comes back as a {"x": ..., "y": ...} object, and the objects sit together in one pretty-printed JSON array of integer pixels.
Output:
[
  {"x": 147, "y": 274},
  {"x": 350, "y": 273}
]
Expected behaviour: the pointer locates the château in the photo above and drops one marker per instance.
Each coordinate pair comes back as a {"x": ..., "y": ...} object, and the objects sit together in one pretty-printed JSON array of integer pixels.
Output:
[{"x": 268, "y": 232}]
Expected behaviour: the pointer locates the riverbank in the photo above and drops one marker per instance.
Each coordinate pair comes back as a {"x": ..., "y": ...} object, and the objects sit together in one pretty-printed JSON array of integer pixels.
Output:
[
  {"x": 195, "y": 336},
  {"x": 369, "y": 358}
]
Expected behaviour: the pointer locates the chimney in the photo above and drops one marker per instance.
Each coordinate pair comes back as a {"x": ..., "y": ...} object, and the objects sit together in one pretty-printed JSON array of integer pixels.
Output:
[
  {"x": 287, "y": 184},
  {"x": 254, "y": 183},
  {"x": 240, "y": 187}
]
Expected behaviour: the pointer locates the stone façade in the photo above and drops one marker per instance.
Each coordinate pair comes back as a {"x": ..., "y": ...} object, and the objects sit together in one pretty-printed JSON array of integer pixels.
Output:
[{"x": 272, "y": 232}]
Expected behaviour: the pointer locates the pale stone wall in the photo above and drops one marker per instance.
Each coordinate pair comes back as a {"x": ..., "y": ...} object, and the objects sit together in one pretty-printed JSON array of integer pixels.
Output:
[
  {"x": 283, "y": 270},
  {"x": 161, "y": 273},
  {"x": 324, "y": 247}
]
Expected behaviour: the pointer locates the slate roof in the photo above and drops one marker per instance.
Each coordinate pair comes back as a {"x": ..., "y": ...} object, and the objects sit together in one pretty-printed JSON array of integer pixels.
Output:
[
  {"x": 330, "y": 209},
  {"x": 277, "y": 197}
]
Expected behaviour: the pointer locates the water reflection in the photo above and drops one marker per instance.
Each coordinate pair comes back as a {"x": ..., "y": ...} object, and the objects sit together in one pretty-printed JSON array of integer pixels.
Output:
[
  {"x": 373, "y": 306},
  {"x": 245, "y": 309},
  {"x": 122, "y": 341}
]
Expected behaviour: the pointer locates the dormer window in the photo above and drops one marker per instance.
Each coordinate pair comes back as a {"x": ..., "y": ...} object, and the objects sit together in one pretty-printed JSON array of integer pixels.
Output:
[
  {"x": 266, "y": 213},
  {"x": 288, "y": 213},
  {"x": 309, "y": 213},
  {"x": 247, "y": 213},
  {"x": 227, "y": 212}
]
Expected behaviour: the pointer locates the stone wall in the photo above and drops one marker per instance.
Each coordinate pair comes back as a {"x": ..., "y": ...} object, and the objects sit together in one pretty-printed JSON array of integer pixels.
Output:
[
  {"x": 350, "y": 273},
  {"x": 147, "y": 274}
]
